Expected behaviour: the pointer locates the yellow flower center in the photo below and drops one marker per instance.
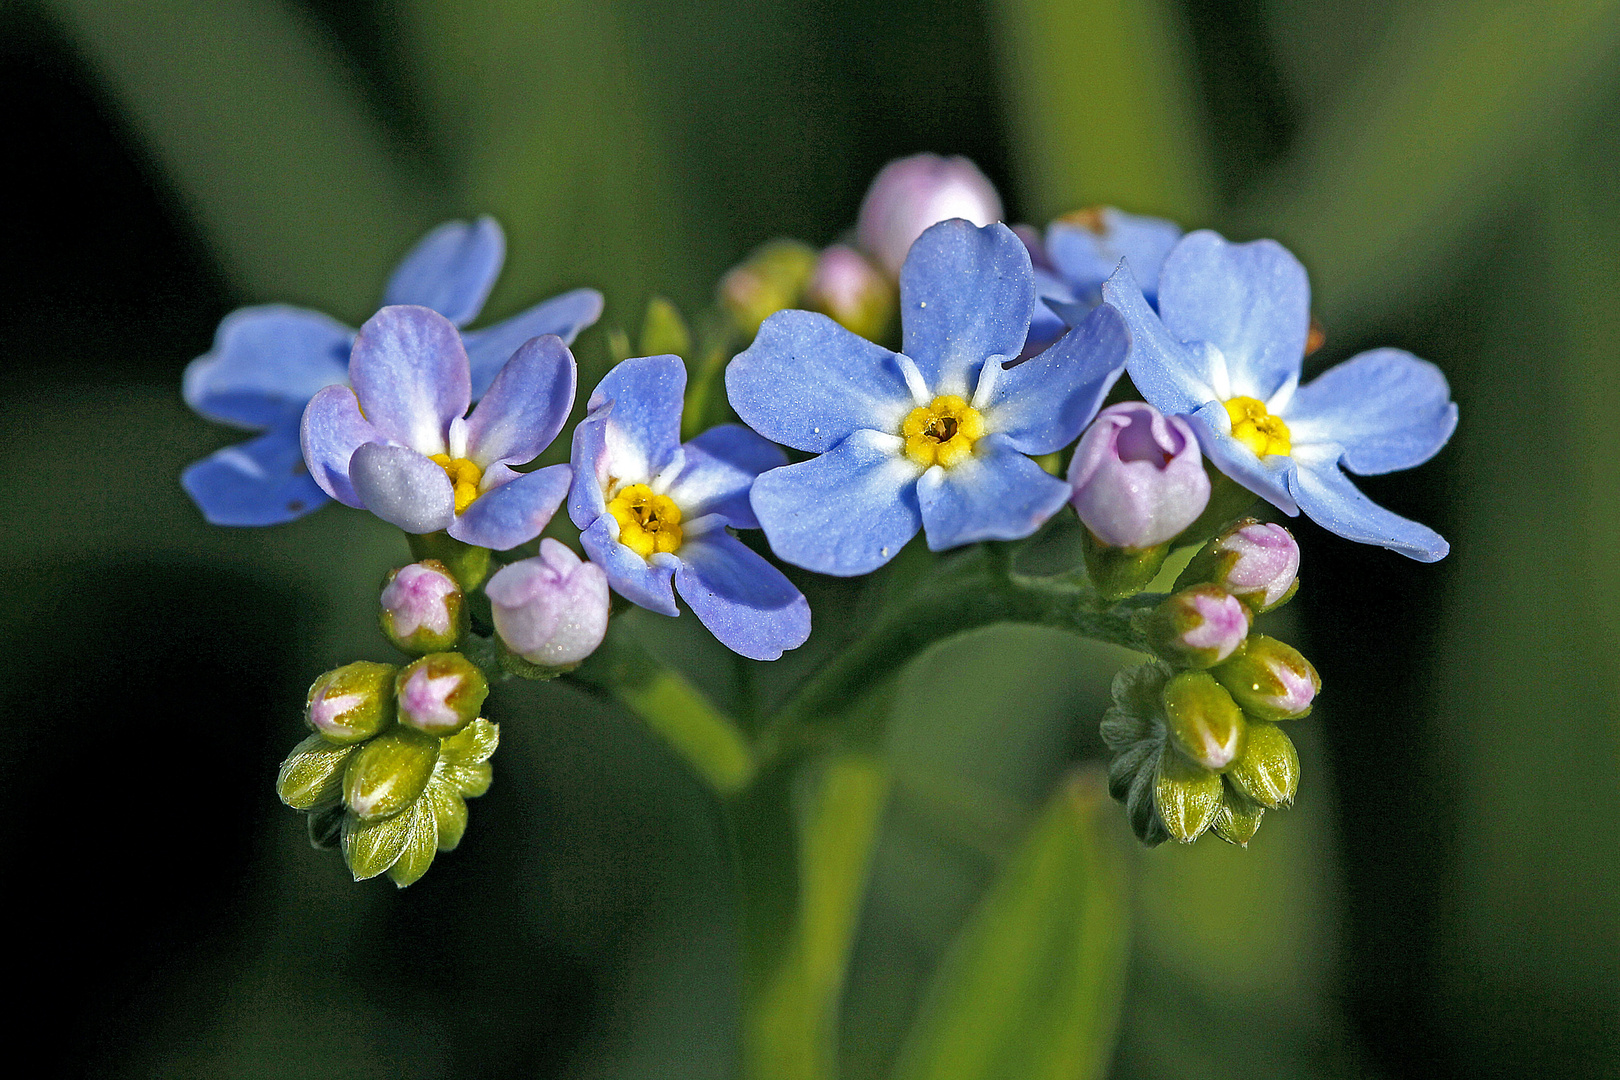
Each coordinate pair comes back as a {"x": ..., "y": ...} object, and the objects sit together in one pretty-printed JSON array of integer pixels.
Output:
[
  {"x": 464, "y": 477},
  {"x": 1257, "y": 429},
  {"x": 942, "y": 432},
  {"x": 648, "y": 523}
]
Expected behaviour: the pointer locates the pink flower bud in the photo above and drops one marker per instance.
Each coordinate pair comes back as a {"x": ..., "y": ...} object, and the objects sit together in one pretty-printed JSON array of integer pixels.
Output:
[
  {"x": 441, "y": 693},
  {"x": 422, "y": 608},
  {"x": 1138, "y": 477},
  {"x": 1198, "y": 627},
  {"x": 855, "y": 293},
  {"x": 912, "y": 193},
  {"x": 353, "y": 702},
  {"x": 1269, "y": 679},
  {"x": 551, "y": 610},
  {"x": 1257, "y": 562}
]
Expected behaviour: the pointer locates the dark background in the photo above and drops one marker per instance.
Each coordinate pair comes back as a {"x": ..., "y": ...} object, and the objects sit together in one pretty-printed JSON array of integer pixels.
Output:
[{"x": 1441, "y": 902}]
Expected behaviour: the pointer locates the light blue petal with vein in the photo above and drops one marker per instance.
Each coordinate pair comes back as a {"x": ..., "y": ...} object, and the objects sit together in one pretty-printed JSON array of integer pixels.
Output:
[
  {"x": 808, "y": 383},
  {"x": 515, "y": 512},
  {"x": 846, "y": 512},
  {"x": 966, "y": 293},
  {"x": 410, "y": 373},
  {"x": 260, "y": 482},
  {"x": 266, "y": 363},
  {"x": 1386, "y": 408},
  {"x": 1165, "y": 372},
  {"x": 451, "y": 269},
  {"x": 402, "y": 487},
  {"x": 1086, "y": 258},
  {"x": 744, "y": 601},
  {"x": 632, "y": 577},
  {"x": 1329, "y": 498},
  {"x": 996, "y": 494},
  {"x": 1266, "y": 477},
  {"x": 1252, "y": 301},
  {"x": 720, "y": 468},
  {"x": 1042, "y": 404},
  {"x": 565, "y": 315},
  {"x": 332, "y": 430},
  {"x": 587, "y": 499},
  {"x": 526, "y": 406}
]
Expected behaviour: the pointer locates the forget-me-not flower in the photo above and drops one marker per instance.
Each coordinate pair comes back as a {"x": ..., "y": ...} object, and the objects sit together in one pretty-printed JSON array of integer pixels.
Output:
[
  {"x": 651, "y": 509},
  {"x": 401, "y": 445},
  {"x": 1225, "y": 349},
  {"x": 268, "y": 361},
  {"x": 934, "y": 437},
  {"x": 1081, "y": 251}
]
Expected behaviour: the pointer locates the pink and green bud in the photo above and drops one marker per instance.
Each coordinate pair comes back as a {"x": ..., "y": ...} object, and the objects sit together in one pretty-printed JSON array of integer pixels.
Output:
[
  {"x": 770, "y": 279},
  {"x": 551, "y": 610},
  {"x": 1137, "y": 476},
  {"x": 353, "y": 702},
  {"x": 389, "y": 773},
  {"x": 1198, "y": 627},
  {"x": 1269, "y": 679},
  {"x": 912, "y": 193},
  {"x": 1255, "y": 561},
  {"x": 440, "y": 694},
  {"x": 1205, "y": 724},
  {"x": 852, "y": 291},
  {"x": 423, "y": 609}
]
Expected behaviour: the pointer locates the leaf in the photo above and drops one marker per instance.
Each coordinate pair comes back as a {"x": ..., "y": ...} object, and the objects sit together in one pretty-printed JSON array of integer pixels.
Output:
[{"x": 1032, "y": 985}]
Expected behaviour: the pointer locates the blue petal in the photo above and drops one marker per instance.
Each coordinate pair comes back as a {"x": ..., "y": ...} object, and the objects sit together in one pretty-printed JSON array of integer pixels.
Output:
[
  {"x": 451, "y": 270},
  {"x": 515, "y": 512},
  {"x": 1251, "y": 301},
  {"x": 1329, "y": 498},
  {"x": 966, "y": 293},
  {"x": 266, "y": 363},
  {"x": 525, "y": 407},
  {"x": 1170, "y": 376},
  {"x": 332, "y": 430},
  {"x": 410, "y": 373},
  {"x": 808, "y": 383},
  {"x": 403, "y": 488},
  {"x": 564, "y": 315},
  {"x": 997, "y": 494},
  {"x": 630, "y": 433},
  {"x": 1267, "y": 477},
  {"x": 259, "y": 482},
  {"x": 719, "y": 469},
  {"x": 1386, "y": 408},
  {"x": 846, "y": 512},
  {"x": 632, "y": 577},
  {"x": 744, "y": 601},
  {"x": 1086, "y": 258},
  {"x": 1042, "y": 404}
]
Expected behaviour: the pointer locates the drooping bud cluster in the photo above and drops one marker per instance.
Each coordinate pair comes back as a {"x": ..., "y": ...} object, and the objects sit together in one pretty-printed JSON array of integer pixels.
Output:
[{"x": 1195, "y": 733}]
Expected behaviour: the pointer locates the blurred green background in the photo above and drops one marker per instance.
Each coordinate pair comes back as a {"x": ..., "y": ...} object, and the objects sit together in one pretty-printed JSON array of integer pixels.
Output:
[{"x": 1443, "y": 901}]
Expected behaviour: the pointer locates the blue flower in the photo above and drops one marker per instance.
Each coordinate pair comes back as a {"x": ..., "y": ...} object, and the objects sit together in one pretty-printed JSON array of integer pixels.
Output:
[
  {"x": 268, "y": 361},
  {"x": 934, "y": 437},
  {"x": 1225, "y": 349},
  {"x": 1082, "y": 250},
  {"x": 650, "y": 508},
  {"x": 401, "y": 445}
]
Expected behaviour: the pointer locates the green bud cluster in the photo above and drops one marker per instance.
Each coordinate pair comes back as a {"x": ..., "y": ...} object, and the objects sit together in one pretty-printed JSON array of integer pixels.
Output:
[
  {"x": 1195, "y": 733},
  {"x": 394, "y": 755}
]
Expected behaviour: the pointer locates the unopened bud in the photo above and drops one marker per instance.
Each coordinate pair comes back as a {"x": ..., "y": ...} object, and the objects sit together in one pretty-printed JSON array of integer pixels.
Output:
[
  {"x": 389, "y": 773},
  {"x": 1238, "y": 819},
  {"x": 441, "y": 693},
  {"x": 852, "y": 291},
  {"x": 770, "y": 279},
  {"x": 1268, "y": 769},
  {"x": 312, "y": 775},
  {"x": 551, "y": 610},
  {"x": 423, "y": 610},
  {"x": 912, "y": 193},
  {"x": 1255, "y": 561},
  {"x": 1186, "y": 796},
  {"x": 1198, "y": 627},
  {"x": 1137, "y": 476},
  {"x": 1205, "y": 724},
  {"x": 1270, "y": 679},
  {"x": 1118, "y": 572},
  {"x": 353, "y": 702}
]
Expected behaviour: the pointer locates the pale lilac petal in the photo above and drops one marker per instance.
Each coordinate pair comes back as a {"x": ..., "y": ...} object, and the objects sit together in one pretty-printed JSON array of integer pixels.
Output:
[
  {"x": 564, "y": 315},
  {"x": 410, "y": 373},
  {"x": 1329, "y": 498},
  {"x": 266, "y": 363},
  {"x": 403, "y": 488},
  {"x": 1043, "y": 403},
  {"x": 744, "y": 601},
  {"x": 259, "y": 482},
  {"x": 515, "y": 512},
  {"x": 451, "y": 269},
  {"x": 526, "y": 406},
  {"x": 996, "y": 494},
  {"x": 719, "y": 470},
  {"x": 1173, "y": 378},
  {"x": 631, "y": 432},
  {"x": 1267, "y": 477},
  {"x": 643, "y": 583},
  {"x": 1386, "y": 408},
  {"x": 332, "y": 430}
]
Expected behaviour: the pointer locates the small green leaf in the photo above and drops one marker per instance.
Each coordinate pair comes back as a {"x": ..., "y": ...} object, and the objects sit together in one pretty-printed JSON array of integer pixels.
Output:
[
  {"x": 313, "y": 773},
  {"x": 471, "y": 780},
  {"x": 1031, "y": 987},
  {"x": 371, "y": 847},
  {"x": 472, "y": 745},
  {"x": 664, "y": 331},
  {"x": 449, "y": 812},
  {"x": 421, "y": 844}
]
